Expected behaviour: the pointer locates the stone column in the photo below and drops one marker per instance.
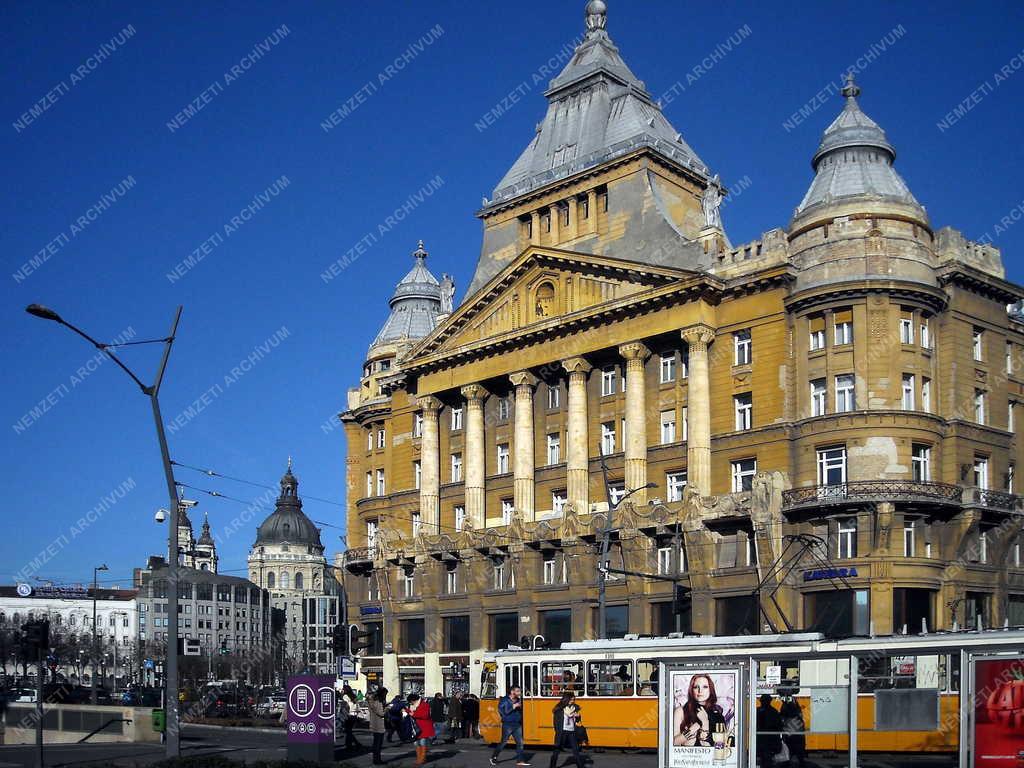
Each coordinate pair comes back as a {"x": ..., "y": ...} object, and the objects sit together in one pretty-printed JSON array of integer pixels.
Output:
[
  {"x": 577, "y": 448},
  {"x": 555, "y": 217},
  {"x": 592, "y": 209},
  {"x": 430, "y": 464},
  {"x": 698, "y": 413},
  {"x": 523, "y": 463},
  {"x": 474, "y": 453},
  {"x": 535, "y": 228},
  {"x": 573, "y": 215},
  {"x": 636, "y": 355}
]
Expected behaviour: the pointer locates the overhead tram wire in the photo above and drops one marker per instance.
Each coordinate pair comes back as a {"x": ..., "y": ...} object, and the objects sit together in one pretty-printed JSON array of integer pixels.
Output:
[{"x": 394, "y": 516}]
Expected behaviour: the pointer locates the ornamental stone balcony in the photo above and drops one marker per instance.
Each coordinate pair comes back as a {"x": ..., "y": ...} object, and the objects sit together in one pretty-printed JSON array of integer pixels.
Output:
[
  {"x": 901, "y": 492},
  {"x": 992, "y": 500},
  {"x": 359, "y": 559}
]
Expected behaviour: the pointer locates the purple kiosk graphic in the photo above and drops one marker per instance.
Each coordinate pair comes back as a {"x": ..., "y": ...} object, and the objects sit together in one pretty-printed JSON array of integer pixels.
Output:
[{"x": 310, "y": 718}]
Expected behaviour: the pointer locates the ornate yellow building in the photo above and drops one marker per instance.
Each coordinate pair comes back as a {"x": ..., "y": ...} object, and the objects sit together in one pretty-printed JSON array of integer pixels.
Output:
[{"x": 814, "y": 430}]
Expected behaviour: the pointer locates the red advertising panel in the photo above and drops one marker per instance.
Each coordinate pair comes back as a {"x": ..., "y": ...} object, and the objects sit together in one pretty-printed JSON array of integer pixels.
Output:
[{"x": 999, "y": 713}]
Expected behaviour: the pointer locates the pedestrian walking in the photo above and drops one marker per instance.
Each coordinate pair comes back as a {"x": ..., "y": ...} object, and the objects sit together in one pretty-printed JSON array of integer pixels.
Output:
[
  {"x": 348, "y": 696},
  {"x": 438, "y": 713},
  {"x": 423, "y": 733},
  {"x": 564, "y": 718},
  {"x": 511, "y": 710},
  {"x": 471, "y": 716},
  {"x": 768, "y": 740},
  {"x": 378, "y": 718},
  {"x": 395, "y": 715},
  {"x": 454, "y": 717}
]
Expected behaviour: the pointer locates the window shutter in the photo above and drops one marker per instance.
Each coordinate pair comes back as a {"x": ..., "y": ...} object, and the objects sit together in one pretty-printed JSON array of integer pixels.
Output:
[
  {"x": 817, "y": 324},
  {"x": 843, "y": 316}
]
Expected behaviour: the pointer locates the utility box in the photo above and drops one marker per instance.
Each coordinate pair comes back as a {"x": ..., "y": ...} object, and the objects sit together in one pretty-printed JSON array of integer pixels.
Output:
[{"x": 159, "y": 720}]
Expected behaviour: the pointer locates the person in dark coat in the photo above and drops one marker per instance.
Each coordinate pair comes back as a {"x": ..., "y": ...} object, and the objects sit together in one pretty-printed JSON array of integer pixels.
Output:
[
  {"x": 769, "y": 730},
  {"x": 793, "y": 729},
  {"x": 564, "y": 718},
  {"x": 395, "y": 718},
  {"x": 471, "y": 716},
  {"x": 438, "y": 712},
  {"x": 455, "y": 717}
]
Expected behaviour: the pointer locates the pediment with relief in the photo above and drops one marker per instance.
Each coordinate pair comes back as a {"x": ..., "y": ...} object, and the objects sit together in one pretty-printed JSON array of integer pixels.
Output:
[{"x": 540, "y": 287}]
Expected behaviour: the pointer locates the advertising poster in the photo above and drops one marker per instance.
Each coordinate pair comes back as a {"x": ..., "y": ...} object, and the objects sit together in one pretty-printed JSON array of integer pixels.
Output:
[
  {"x": 702, "y": 720},
  {"x": 999, "y": 713}
]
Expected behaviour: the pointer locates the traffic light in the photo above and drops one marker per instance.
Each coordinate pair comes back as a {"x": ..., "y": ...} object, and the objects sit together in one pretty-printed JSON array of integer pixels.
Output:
[
  {"x": 339, "y": 640},
  {"x": 358, "y": 641},
  {"x": 682, "y": 600},
  {"x": 224, "y": 647}
]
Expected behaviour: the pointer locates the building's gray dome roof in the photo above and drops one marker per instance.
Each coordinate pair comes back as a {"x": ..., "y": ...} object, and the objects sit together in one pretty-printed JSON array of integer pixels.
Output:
[
  {"x": 415, "y": 305},
  {"x": 206, "y": 538},
  {"x": 855, "y": 159},
  {"x": 288, "y": 524}
]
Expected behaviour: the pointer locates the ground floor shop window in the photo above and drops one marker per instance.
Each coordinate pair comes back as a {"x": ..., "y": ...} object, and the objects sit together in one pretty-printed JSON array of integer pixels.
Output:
[
  {"x": 411, "y": 682},
  {"x": 664, "y": 621},
  {"x": 837, "y": 612},
  {"x": 912, "y": 607}
]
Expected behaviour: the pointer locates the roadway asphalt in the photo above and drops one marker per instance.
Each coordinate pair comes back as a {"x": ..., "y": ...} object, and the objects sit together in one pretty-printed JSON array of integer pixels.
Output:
[{"x": 250, "y": 745}]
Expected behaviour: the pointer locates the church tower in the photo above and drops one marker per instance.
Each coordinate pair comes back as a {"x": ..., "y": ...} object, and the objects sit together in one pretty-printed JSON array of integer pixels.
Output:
[{"x": 205, "y": 557}]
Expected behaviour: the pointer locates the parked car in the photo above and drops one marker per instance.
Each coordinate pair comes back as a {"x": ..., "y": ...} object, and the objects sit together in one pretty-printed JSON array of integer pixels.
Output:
[
  {"x": 271, "y": 706},
  {"x": 25, "y": 696}
]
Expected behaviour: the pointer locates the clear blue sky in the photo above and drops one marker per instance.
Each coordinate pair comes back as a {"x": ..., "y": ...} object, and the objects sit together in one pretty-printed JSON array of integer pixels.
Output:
[{"x": 105, "y": 123}]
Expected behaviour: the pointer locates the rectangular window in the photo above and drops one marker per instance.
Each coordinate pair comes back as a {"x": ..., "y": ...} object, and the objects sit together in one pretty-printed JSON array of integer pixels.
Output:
[
  {"x": 744, "y": 350},
  {"x": 369, "y": 484},
  {"x": 460, "y": 517},
  {"x": 417, "y": 524},
  {"x": 668, "y": 427},
  {"x": 417, "y": 425},
  {"x": 502, "y": 409},
  {"x": 558, "y": 501},
  {"x": 981, "y": 477},
  {"x": 456, "y": 467},
  {"x": 554, "y": 397},
  {"x": 507, "y": 508},
  {"x": 832, "y": 466},
  {"x": 926, "y": 395},
  {"x": 380, "y": 438},
  {"x": 554, "y": 448},
  {"x": 456, "y": 634},
  {"x": 369, "y": 440},
  {"x": 926, "y": 333},
  {"x": 846, "y": 400},
  {"x": 502, "y": 458},
  {"x": 817, "y": 325},
  {"x": 371, "y": 533},
  {"x": 978, "y": 344},
  {"x": 744, "y": 408},
  {"x": 380, "y": 482},
  {"x": 608, "y": 438},
  {"x": 909, "y": 546},
  {"x": 608, "y": 381},
  {"x": 843, "y": 321},
  {"x": 907, "y": 327},
  {"x": 668, "y": 367},
  {"x": 456, "y": 419},
  {"x": 846, "y": 541},
  {"x": 819, "y": 397},
  {"x": 921, "y": 463},
  {"x": 743, "y": 472},
  {"x": 1011, "y": 425},
  {"x": 498, "y": 574},
  {"x": 452, "y": 582},
  {"x": 417, "y": 474},
  {"x": 553, "y": 570},
  {"x": 411, "y": 635},
  {"x": 675, "y": 483},
  {"x": 979, "y": 406},
  {"x": 1009, "y": 357},
  {"x": 409, "y": 584},
  {"x": 909, "y": 395}
]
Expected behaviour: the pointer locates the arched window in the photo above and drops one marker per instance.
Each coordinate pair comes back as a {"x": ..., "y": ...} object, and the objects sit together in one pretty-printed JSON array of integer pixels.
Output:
[
  {"x": 284, "y": 579},
  {"x": 204, "y": 567},
  {"x": 298, "y": 581},
  {"x": 74, "y": 621},
  {"x": 270, "y": 580}
]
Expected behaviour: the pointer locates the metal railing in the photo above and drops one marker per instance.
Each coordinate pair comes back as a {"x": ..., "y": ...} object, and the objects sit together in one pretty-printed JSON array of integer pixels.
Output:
[
  {"x": 358, "y": 555},
  {"x": 997, "y": 499},
  {"x": 872, "y": 490}
]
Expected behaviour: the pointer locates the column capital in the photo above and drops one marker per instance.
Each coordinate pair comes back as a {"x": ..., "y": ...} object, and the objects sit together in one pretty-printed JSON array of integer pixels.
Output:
[
  {"x": 634, "y": 350},
  {"x": 473, "y": 392},
  {"x": 523, "y": 378},
  {"x": 698, "y": 334},
  {"x": 576, "y": 365},
  {"x": 429, "y": 404}
]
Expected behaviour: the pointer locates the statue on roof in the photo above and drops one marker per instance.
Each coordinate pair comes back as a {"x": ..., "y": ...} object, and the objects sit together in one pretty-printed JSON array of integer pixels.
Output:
[
  {"x": 711, "y": 202},
  {"x": 447, "y": 294},
  {"x": 597, "y": 15}
]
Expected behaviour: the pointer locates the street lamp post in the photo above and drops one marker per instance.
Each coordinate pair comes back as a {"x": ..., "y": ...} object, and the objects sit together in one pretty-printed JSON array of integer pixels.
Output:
[
  {"x": 152, "y": 392},
  {"x": 95, "y": 629},
  {"x": 602, "y": 568}
]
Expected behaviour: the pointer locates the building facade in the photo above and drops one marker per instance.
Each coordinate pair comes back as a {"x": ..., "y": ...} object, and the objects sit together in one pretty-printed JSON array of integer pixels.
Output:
[
  {"x": 74, "y": 645},
  {"x": 813, "y": 430},
  {"x": 287, "y": 560}
]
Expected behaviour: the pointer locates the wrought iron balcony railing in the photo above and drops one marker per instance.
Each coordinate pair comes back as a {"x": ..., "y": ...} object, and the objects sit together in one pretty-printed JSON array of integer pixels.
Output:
[
  {"x": 997, "y": 500},
  {"x": 358, "y": 555},
  {"x": 872, "y": 490}
]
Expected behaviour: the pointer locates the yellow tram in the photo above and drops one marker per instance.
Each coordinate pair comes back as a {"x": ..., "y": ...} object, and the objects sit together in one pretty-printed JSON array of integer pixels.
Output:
[{"x": 616, "y": 682}]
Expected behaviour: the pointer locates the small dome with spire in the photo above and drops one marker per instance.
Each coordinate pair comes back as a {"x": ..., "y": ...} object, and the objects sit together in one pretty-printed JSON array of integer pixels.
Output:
[
  {"x": 205, "y": 538},
  {"x": 415, "y": 304},
  {"x": 288, "y": 524},
  {"x": 855, "y": 159}
]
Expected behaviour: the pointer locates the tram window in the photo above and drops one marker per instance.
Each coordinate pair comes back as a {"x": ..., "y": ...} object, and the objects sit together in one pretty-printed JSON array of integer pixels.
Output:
[
  {"x": 511, "y": 677},
  {"x": 489, "y": 681},
  {"x": 558, "y": 677},
  {"x": 647, "y": 677},
  {"x": 610, "y": 678},
  {"x": 886, "y": 672},
  {"x": 530, "y": 680},
  {"x": 949, "y": 673}
]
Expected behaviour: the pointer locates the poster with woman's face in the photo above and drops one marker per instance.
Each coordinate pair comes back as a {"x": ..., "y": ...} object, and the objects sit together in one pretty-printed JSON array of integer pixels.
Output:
[{"x": 702, "y": 718}]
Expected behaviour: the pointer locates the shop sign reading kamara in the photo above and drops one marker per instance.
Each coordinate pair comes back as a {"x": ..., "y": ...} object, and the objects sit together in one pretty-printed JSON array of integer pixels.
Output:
[{"x": 830, "y": 573}]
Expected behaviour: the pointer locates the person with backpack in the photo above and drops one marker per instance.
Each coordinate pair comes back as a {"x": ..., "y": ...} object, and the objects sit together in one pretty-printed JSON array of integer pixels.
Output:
[
  {"x": 564, "y": 718},
  {"x": 511, "y": 710},
  {"x": 423, "y": 726}
]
